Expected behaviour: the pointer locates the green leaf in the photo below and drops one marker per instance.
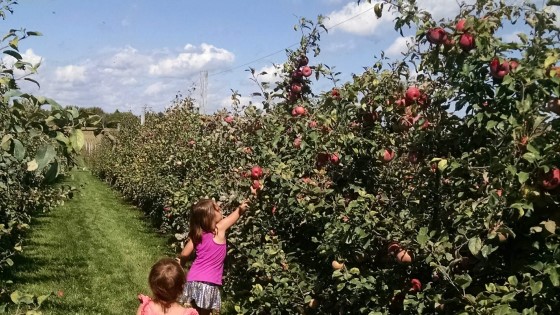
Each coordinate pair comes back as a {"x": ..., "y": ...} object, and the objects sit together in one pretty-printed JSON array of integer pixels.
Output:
[
  {"x": 529, "y": 157},
  {"x": 44, "y": 156},
  {"x": 378, "y": 9},
  {"x": 77, "y": 140},
  {"x": 42, "y": 298},
  {"x": 15, "y": 297},
  {"x": 14, "y": 54},
  {"x": 475, "y": 244},
  {"x": 536, "y": 287},
  {"x": 522, "y": 177},
  {"x": 442, "y": 165},
  {"x": 464, "y": 281},
  {"x": 513, "y": 281},
  {"x": 19, "y": 149},
  {"x": 52, "y": 172},
  {"x": 422, "y": 237}
]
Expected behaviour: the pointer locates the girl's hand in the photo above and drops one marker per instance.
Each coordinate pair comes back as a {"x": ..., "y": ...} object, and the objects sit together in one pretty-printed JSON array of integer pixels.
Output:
[
  {"x": 253, "y": 191},
  {"x": 243, "y": 206}
]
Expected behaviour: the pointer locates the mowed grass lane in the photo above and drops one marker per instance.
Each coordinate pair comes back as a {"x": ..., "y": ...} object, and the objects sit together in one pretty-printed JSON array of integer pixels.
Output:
[{"x": 95, "y": 250}]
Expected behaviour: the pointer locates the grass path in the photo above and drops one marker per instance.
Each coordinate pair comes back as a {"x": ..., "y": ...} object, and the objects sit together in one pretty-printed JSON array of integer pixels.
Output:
[{"x": 95, "y": 249}]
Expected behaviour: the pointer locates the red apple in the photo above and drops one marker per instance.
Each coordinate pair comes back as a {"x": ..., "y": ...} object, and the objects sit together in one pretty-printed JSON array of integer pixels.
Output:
[
  {"x": 297, "y": 142},
  {"x": 256, "y": 184},
  {"x": 466, "y": 41},
  {"x": 256, "y": 172},
  {"x": 306, "y": 71},
  {"x": 551, "y": 179},
  {"x": 228, "y": 119},
  {"x": 415, "y": 285},
  {"x": 460, "y": 25},
  {"x": 296, "y": 88},
  {"x": 412, "y": 94},
  {"x": 388, "y": 155},
  {"x": 436, "y": 35},
  {"x": 499, "y": 70},
  {"x": 335, "y": 93},
  {"x": 298, "y": 111},
  {"x": 334, "y": 158},
  {"x": 403, "y": 257},
  {"x": 312, "y": 124}
]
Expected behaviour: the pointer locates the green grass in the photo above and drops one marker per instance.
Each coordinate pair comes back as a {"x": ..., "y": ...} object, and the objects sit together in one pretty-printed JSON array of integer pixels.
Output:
[{"x": 95, "y": 248}]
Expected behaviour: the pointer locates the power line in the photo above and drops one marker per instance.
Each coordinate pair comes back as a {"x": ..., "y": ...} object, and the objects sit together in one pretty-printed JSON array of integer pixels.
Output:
[{"x": 292, "y": 45}]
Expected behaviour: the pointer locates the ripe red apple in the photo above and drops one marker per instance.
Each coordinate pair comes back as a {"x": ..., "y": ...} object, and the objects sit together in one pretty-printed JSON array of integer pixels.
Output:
[
  {"x": 334, "y": 158},
  {"x": 228, "y": 119},
  {"x": 499, "y": 70},
  {"x": 551, "y": 180},
  {"x": 513, "y": 64},
  {"x": 192, "y": 142},
  {"x": 412, "y": 94},
  {"x": 393, "y": 248},
  {"x": 466, "y": 41},
  {"x": 166, "y": 208},
  {"x": 335, "y": 93},
  {"x": 298, "y": 111},
  {"x": 306, "y": 71},
  {"x": 297, "y": 142},
  {"x": 415, "y": 285},
  {"x": 296, "y": 88},
  {"x": 312, "y": 124},
  {"x": 388, "y": 155},
  {"x": 256, "y": 172},
  {"x": 404, "y": 257},
  {"x": 436, "y": 35},
  {"x": 460, "y": 25},
  {"x": 256, "y": 184}
]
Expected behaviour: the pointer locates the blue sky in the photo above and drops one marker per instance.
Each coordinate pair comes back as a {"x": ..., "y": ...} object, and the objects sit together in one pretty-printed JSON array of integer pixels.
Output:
[{"x": 128, "y": 53}]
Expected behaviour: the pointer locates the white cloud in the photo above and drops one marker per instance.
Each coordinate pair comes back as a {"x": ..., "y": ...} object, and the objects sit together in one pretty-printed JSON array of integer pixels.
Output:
[
  {"x": 400, "y": 45},
  {"x": 271, "y": 75},
  {"x": 155, "y": 88},
  {"x": 512, "y": 38},
  {"x": 192, "y": 60},
  {"x": 556, "y": 11},
  {"x": 356, "y": 19},
  {"x": 361, "y": 20},
  {"x": 70, "y": 73}
]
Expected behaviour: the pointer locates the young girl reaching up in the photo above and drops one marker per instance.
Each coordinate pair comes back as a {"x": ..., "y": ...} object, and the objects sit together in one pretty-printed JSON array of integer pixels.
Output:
[
  {"x": 207, "y": 236},
  {"x": 166, "y": 280}
]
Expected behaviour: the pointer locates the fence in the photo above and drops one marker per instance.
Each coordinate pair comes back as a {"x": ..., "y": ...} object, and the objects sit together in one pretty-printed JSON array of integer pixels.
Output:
[{"x": 91, "y": 140}]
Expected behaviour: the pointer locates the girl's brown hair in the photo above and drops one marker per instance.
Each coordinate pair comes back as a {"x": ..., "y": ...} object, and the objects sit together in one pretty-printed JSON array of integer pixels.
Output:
[
  {"x": 202, "y": 219},
  {"x": 166, "y": 280}
]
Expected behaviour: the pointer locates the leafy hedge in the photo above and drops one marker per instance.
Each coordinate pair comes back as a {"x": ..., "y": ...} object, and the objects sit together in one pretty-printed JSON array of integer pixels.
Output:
[
  {"x": 39, "y": 142},
  {"x": 375, "y": 197}
]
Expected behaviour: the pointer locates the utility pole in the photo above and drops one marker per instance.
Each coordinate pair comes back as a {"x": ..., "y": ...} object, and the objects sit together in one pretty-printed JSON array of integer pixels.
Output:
[
  {"x": 203, "y": 91},
  {"x": 143, "y": 114}
]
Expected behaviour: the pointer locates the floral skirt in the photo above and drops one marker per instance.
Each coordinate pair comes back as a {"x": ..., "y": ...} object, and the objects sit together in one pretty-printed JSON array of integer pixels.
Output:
[{"x": 205, "y": 295}]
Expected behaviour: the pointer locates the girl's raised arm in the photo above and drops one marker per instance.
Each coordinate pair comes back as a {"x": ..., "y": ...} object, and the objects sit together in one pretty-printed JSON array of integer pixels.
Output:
[{"x": 230, "y": 220}]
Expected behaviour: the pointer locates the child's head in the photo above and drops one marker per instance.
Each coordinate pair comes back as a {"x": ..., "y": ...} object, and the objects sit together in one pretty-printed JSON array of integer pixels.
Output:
[
  {"x": 166, "y": 281},
  {"x": 204, "y": 216}
]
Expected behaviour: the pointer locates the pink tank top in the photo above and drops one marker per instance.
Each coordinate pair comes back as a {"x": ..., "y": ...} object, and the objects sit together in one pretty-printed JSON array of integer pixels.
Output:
[
  {"x": 148, "y": 310},
  {"x": 208, "y": 266}
]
